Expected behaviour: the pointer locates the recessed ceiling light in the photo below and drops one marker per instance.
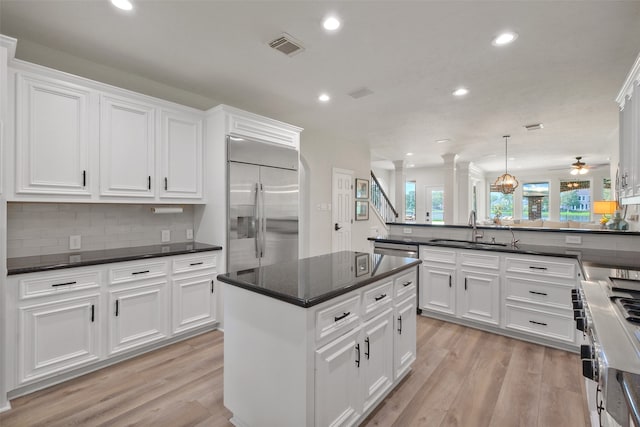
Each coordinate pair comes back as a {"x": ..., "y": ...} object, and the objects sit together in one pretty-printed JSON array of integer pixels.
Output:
[
  {"x": 324, "y": 97},
  {"x": 411, "y": 165},
  {"x": 409, "y": 154},
  {"x": 462, "y": 91},
  {"x": 442, "y": 141},
  {"x": 511, "y": 158},
  {"x": 122, "y": 4},
  {"x": 331, "y": 23},
  {"x": 504, "y": 38}
]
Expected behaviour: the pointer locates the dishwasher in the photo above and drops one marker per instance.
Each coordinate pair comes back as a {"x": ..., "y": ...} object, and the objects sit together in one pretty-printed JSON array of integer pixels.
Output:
[{"x": 405, "y": 250}]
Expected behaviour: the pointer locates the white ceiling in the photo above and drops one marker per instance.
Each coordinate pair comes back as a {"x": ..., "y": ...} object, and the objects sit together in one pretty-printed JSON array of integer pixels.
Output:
[{"x": 564, "y": 70}]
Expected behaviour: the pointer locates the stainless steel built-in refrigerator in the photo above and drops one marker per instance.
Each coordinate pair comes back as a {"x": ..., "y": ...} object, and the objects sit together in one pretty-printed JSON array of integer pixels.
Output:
[{"x": 262, "y": 201}]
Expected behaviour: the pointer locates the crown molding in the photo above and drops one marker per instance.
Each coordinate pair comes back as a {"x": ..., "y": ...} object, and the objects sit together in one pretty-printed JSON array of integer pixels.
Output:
[{"x": 10, "y": 44}]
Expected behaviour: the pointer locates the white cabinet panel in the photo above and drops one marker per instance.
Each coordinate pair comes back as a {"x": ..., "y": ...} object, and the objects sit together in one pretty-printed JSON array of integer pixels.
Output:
[
  {"x": 194, "y": 302},
  {"x": 337, "y": 391},
  {"x": 181, "y": 152},
  {"x": 377, "y": 358},
  {"x": 57, "y": 336},
  {"x": 52, "y": 137},
  {"x": 480, "y": 297},
  {"x": 138, "y": 316},
  {"x": 405, "y": 336},
  {"x": 437, "y": 290},
  {"x": 127, "y": 148}
]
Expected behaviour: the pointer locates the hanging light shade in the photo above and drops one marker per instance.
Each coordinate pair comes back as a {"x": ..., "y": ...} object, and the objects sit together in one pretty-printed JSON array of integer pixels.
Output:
[{"x": 506, "y": 182}]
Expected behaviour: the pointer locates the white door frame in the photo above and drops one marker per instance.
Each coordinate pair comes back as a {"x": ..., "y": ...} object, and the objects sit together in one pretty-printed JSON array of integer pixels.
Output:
[
  {"x": 338, "y": 209},
  {"x": 428, "y": 189}
]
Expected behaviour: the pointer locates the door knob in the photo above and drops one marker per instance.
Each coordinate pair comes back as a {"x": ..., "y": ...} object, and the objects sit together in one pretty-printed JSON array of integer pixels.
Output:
[{"x": 336, "y": 227}]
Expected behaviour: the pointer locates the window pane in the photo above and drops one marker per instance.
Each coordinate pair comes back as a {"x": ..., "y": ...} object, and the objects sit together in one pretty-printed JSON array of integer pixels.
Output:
[
  {"x": 410, "y": 200},
  {"x": 500, "y": 205},
  {"x": 575, "y": 201},
  {"x": 606, "y": 189},
  {"x": 535, "y": 200},
  {"x": 437, "y": 206}
]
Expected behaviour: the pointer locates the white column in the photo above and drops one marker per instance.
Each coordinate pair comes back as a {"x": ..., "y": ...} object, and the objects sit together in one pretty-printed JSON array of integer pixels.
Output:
[
  {"x": 450, "y": 203},
  {"x": 463, "y": 184},
  {"x": 399, "y": 188}
]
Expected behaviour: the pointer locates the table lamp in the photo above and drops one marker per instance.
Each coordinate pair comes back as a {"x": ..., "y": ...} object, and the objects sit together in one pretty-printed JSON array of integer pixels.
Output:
[{"x": 604, "y": 208}]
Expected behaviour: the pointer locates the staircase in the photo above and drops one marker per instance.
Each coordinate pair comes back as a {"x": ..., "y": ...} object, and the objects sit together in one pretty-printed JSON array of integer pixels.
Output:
[{"x": 380, "y": 203}]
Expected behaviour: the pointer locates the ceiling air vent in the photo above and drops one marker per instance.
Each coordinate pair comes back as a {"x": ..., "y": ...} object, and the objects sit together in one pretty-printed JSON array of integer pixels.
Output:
[
  {"x": 535, "y": 126},
  {"x": 287, "y": 45},
  {"x": 360, "y": 93}
]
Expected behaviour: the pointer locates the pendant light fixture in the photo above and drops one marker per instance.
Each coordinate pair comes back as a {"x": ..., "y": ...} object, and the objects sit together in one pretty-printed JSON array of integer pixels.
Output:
[{"x": 506, "y": 183}]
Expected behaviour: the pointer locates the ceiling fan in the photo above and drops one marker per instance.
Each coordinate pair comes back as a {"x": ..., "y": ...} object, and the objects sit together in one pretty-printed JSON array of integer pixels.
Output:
[{"x": 579, "y": 167}]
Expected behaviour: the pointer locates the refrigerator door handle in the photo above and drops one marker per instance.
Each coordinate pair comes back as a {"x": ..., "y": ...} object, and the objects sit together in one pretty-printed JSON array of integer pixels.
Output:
[
  {"x": 263, "y": 217},
  {"x": 257, "y": 219}
]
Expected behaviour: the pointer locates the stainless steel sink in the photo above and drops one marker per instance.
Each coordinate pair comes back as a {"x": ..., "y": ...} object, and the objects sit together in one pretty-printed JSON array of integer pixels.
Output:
[{"x": 468, "y": 243}]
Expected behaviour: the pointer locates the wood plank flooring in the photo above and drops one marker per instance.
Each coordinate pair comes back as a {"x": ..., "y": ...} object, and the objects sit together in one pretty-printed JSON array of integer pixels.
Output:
[{"x": 462, "y": 377}]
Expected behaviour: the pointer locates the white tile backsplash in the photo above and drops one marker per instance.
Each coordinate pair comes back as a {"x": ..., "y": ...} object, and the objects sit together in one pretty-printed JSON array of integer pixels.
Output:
[{"x": 44, "y": 228}]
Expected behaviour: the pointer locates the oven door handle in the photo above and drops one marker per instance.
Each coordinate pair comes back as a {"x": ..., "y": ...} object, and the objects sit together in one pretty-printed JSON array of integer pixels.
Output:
[{"x": 631, "y": 394}]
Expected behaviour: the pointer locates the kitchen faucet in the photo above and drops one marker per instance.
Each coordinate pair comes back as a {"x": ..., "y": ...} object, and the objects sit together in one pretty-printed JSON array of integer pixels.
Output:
[{"x": 476, "y": 234}]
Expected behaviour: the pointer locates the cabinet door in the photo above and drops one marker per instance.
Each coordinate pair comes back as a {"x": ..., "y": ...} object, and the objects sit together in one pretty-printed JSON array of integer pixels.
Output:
[
  {"x": 377, "y": 357},
  {"x": 57, "y": 336},
  {"x": 635, "y": 142},
  {"x": 479, "y": 297},
  {"x": 337, "y": 397},
  {"x": 52, "y": 137},
  {"x": 194, "y": 302},
  {"x": 404, "y": 341},
  {"x": 138, "y": 316},
  {"x": 181, "y": 156},
  {"x": 437, "y": 291},
  {"x": 127, "y": 140}
]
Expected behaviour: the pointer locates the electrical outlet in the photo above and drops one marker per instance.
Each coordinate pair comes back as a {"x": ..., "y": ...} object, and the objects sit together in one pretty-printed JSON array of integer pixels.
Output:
[
  {"x": 407, "y": 230},
  {"x": 75, "y": 242},
  {"x": 189, "y": 233},
  {"x": 573, "y": 240},
  {"x": 166, "y": 236}
]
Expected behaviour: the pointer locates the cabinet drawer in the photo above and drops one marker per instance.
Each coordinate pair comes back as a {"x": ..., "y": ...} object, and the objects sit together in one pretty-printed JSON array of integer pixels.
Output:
[
  {"x": 537, "y": 322},
  {"x": 405, "y": 285},
  {"x": 479, "y": 259},
  {"x": 437, "y": 255},
  {"x": 539, "y": 291},
  {"x": 338, "y": 318},
  {"x": 541, "y": 267},
  {"x": 376, "y": 299},
  {"x": 133, "y": 272},
  {"x": 193, "y": 263},
  {"x": 53, "y": 284}
]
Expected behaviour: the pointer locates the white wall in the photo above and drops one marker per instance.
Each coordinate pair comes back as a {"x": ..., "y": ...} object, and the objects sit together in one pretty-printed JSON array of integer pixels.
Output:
[{"x": 322, "y": 153}]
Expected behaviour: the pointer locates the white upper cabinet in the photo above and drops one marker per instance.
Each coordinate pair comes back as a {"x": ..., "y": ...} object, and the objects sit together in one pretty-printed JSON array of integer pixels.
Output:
[
  {"x": 52, "y": 137},
  {"x": 77, "y": 139},
  {"x": 127, "y": 148},
  {"x": 628, "y": 179},
  {"x": 181, "y": 156}
]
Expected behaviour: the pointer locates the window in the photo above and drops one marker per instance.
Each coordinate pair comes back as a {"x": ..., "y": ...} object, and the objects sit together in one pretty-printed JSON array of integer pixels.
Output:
[
  {"x": 410, "y": 200},
  {"x": 500, "y": 205},
  {"x": 606, "y": 189},
  {"x": 575, "y": 201},
  {"x": 535, "y": 200}
]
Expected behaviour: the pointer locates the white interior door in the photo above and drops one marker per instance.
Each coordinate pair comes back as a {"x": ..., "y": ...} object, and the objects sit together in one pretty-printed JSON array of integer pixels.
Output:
[
  {"x": 434, "y": 204},
  {"x": 342, "y": 209}
]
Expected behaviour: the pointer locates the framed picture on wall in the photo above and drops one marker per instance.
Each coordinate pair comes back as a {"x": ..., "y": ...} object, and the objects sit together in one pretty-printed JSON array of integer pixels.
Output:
[
  {"x": 362, "y": 188},
  {"x": 362, "y": 210}
]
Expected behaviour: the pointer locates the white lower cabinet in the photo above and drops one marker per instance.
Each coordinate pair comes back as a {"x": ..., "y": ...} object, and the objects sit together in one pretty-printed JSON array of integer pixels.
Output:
[
  {"x": 58, "y": 335},
  {"x": 518, "y": 294},
  {"x": 138, "y": 316},
  {"x": 59, "y": 321},
  {"x": 327, "y": 365},
  {"x": 337, "y": 389}
]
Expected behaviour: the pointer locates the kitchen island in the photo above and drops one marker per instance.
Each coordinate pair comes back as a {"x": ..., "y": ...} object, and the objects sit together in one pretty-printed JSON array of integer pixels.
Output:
[{"x": 317, "y": 341}]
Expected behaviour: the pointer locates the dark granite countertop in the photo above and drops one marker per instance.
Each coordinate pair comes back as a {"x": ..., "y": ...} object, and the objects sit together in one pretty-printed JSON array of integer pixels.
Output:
[
  {"x": 506, "y": 227},
  {"x": 32, "y": 264},
  {"x": 310, "y": 281},
  {"x": 588, "y": 257}
]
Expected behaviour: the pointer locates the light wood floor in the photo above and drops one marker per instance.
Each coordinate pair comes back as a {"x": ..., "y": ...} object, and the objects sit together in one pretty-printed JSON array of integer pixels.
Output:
[{"x": 462, "y": 377}]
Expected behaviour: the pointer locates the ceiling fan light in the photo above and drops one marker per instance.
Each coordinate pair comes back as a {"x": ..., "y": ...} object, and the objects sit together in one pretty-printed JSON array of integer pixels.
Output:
[
  {"x": 583, "y": 171},
  {"x": 574, "y": 171}
]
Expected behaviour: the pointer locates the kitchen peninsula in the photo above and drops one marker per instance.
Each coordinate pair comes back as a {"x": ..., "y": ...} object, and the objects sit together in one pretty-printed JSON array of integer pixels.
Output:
[{"x": 317, "y": 341}]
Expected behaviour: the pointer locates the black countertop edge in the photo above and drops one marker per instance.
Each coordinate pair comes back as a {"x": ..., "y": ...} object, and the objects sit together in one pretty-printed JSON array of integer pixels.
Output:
[
  {"x": 307, "y": 303},
  {"x": 506, "y": 227},
  {"x": 38, "y": 263}
]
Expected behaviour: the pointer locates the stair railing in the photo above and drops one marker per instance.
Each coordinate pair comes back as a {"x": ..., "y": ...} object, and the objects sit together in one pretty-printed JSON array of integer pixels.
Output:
[{"x": 381, "y": 202}]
